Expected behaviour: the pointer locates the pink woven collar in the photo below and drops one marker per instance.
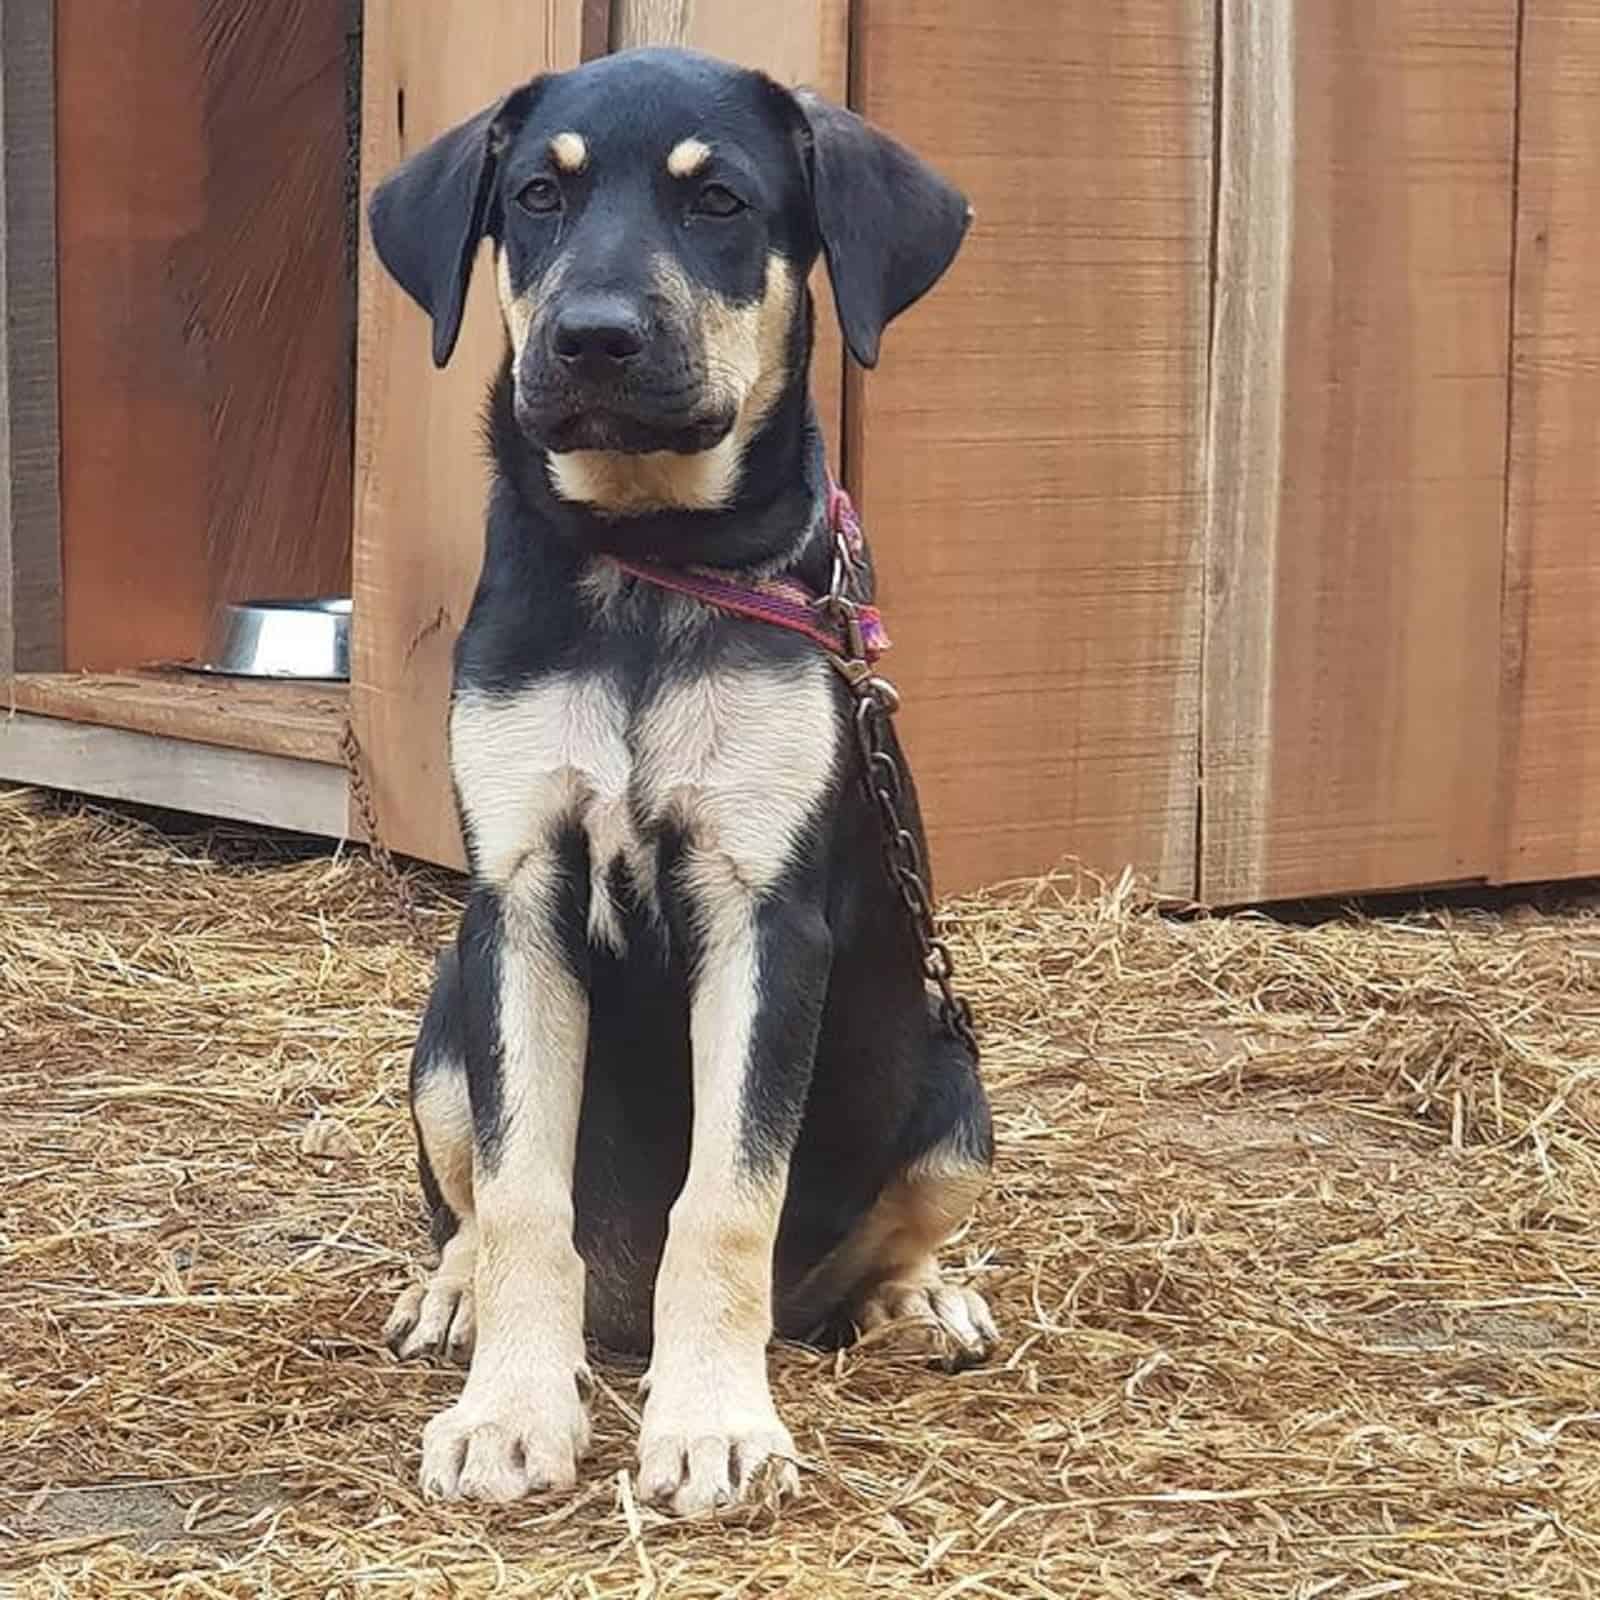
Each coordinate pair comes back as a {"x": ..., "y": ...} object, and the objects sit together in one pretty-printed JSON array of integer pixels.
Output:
[{"x": 784, "y": 602}]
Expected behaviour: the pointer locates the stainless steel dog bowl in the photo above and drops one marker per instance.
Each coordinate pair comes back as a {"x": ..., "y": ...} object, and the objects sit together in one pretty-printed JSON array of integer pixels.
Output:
[{"x": 282, "y": 639}]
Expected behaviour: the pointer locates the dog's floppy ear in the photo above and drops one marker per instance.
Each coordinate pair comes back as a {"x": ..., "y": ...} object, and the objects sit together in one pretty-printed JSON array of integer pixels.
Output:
[
  {"x": 889, "y": 224},
  {"x": 430, "y": 213}
]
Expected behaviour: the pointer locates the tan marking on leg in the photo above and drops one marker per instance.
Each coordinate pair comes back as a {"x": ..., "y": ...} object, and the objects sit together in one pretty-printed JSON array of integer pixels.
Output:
[
  {"x": 443, "y": 1111},
  {"x": 439, "y": 1316},
  {"x": 744, "y": 350},
  {"x": 520, "y": 1424},
  {"x": 687, "y": 157},
  {"x": 570, "y": 151},
  {"x": 891, "y": 1263},
  {"x": 709, "y": 1425},
  {"x": 912, "y": 1218}
]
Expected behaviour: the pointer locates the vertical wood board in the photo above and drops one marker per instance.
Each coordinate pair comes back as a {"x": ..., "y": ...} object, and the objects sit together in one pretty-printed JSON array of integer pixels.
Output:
[
  {"x": 1029, "y": 451},
  {"x": 1358, "y": 445},
  {"x": 30, "y": 527},
  {"x": 1550, "y": 753},
  {"x": 421, "y": 478}
]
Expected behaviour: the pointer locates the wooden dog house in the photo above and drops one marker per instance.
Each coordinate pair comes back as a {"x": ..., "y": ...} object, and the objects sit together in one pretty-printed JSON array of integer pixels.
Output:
[{"x": 1236, "y": 494}]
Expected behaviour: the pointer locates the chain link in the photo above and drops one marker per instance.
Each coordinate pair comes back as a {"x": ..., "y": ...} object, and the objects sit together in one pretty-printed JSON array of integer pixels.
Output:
[
  {"x": 361, "y": 793},
  {"x": 875, "y": 703}
]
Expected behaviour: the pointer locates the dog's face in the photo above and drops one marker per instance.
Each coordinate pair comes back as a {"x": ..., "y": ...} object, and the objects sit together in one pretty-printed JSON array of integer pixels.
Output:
[
  {"x": 654, "y": 216},
  {"x": 655, "y": 221}
]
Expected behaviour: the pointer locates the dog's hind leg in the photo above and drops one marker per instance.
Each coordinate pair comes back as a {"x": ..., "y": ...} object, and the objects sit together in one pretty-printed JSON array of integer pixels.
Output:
[
  {"x": 886, "y": 1271},
  {"x": 439, "y": 1316}
]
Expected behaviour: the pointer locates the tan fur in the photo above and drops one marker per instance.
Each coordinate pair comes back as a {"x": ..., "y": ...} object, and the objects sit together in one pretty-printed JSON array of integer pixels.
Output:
[
  {"x": 520, "y": 311},
  {"x": 709, "y": 1420},
  {"x": 442, "y": 1313},
  {"x": 896, "y": 1245},
  {"x": 892, "y": 1260},
  {"x": 744, "y": 355},
  {"x": 687, "y": 157},
  {"x": 570, "y": 152},
  {"x": 444, "y": 1123},
  {"x": 520, "y": 1423}
]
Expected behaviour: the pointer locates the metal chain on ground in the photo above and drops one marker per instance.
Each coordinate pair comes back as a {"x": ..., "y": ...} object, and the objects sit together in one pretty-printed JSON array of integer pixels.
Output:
[
  {"x": 875, "y": 702},
  {"x": 361, "y": 793}
]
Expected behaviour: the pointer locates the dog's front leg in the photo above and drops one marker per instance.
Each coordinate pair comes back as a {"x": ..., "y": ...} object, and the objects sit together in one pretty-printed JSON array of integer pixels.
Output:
[
  {"x": 521, "y": 1422},
  {"x": 709, "y": 1421}
]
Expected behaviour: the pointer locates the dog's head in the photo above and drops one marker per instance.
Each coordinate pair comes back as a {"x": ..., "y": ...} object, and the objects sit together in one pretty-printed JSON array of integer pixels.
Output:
[{"x": 654, "y": 216}]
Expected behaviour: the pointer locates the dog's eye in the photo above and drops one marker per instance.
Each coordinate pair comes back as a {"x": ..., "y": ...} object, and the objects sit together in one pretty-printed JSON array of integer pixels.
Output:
[
  {"x": 542, "y": 194},
  {"x": 717, "y": 200}
]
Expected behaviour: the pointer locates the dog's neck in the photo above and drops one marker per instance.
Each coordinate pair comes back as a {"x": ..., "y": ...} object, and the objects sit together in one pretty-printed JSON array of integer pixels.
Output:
[{"x": 769, "y": 522}]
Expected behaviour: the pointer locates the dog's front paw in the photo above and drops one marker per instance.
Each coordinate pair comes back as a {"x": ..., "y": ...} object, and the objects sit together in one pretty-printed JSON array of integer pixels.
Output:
[
  {"x": 694, "y": 1458},
  {"x": 503, "y": 1446}
]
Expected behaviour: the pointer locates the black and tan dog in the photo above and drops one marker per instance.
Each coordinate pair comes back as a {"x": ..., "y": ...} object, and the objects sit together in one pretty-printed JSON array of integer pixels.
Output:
[{"x": 680, "y": 1080}]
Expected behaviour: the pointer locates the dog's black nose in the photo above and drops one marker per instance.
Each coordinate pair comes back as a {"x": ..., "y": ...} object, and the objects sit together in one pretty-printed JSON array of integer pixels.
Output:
[{"x": 598, "y": 331}]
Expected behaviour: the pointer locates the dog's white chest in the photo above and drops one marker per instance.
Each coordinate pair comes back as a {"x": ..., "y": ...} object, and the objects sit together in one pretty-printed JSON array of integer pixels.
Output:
[{"x": 736, "y": 761}]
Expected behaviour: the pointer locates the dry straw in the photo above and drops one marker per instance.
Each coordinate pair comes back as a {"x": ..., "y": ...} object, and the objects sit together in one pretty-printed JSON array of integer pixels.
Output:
[{"x": 1293, "y": 1238}]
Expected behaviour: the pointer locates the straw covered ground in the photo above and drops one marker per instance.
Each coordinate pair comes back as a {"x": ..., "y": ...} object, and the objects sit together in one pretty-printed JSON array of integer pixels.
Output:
[{"x": 1293, "y": 1239}]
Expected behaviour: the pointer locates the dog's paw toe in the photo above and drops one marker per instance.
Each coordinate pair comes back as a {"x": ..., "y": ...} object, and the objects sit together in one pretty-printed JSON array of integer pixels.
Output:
[
  {"x": 946, "y": 1323},
  {"x": 694, "y": 1471},
  {"x": 433, "y": 1318},
  {"x": 504, "y": 1454}
]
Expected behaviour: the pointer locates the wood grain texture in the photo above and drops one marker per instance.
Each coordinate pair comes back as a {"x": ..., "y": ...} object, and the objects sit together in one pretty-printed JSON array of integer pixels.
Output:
[
  {"x": 272, "y": 791},
  {"x": 302, "y": 720},
  {"x": 420, "y": 475},
  {"x": 1550, "y": 754},
  {"x": 1029, "y": 453},
  {"x": 205, "y": 315},
  {"x": 30, "y": 523},
  {"x": 1353, "y": 583},
  {"x": 798, "y": 42}
]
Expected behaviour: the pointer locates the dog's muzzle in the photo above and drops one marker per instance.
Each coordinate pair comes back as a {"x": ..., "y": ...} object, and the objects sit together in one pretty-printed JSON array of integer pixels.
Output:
[{"x": 601, "y": 375}]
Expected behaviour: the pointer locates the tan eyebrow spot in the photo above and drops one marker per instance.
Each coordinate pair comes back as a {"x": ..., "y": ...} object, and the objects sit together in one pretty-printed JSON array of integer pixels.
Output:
[
  {"x": 569, "y": 152},
  {"x": 687, "y": 157}
]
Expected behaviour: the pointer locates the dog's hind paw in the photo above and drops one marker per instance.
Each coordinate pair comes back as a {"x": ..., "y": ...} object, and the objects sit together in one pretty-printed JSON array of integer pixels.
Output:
[
  {"x": 945, "y": 1323},
  {"x": 438, "y": 1317}
]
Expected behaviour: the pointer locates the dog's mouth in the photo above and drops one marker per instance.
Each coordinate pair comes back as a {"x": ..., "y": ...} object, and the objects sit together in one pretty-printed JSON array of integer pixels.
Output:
[
  {"x": 625, "y": 431},
  {"x": 666, "y": 405}
]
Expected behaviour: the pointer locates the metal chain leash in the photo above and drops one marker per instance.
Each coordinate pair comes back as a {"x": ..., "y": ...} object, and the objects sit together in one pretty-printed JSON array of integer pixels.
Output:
[
  {"x": 366, "y": 808},
  {"x": 876, "y": 701}
]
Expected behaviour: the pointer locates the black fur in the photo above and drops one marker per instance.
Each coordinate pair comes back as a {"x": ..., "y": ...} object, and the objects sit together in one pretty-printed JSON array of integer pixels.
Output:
[{"x": 849, "y": 1076}]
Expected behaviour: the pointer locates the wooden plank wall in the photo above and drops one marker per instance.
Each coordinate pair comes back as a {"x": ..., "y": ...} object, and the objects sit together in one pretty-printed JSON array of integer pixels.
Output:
[
  {"x": 1359, "y": 393},
  {"x": 1550, "y": 754},
  {"x": 1029, "y": 452},
  {"x": 205, "y": 315},
  {"x": 1200, "y": 577},
  {"x": 420, "y": 479}
]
